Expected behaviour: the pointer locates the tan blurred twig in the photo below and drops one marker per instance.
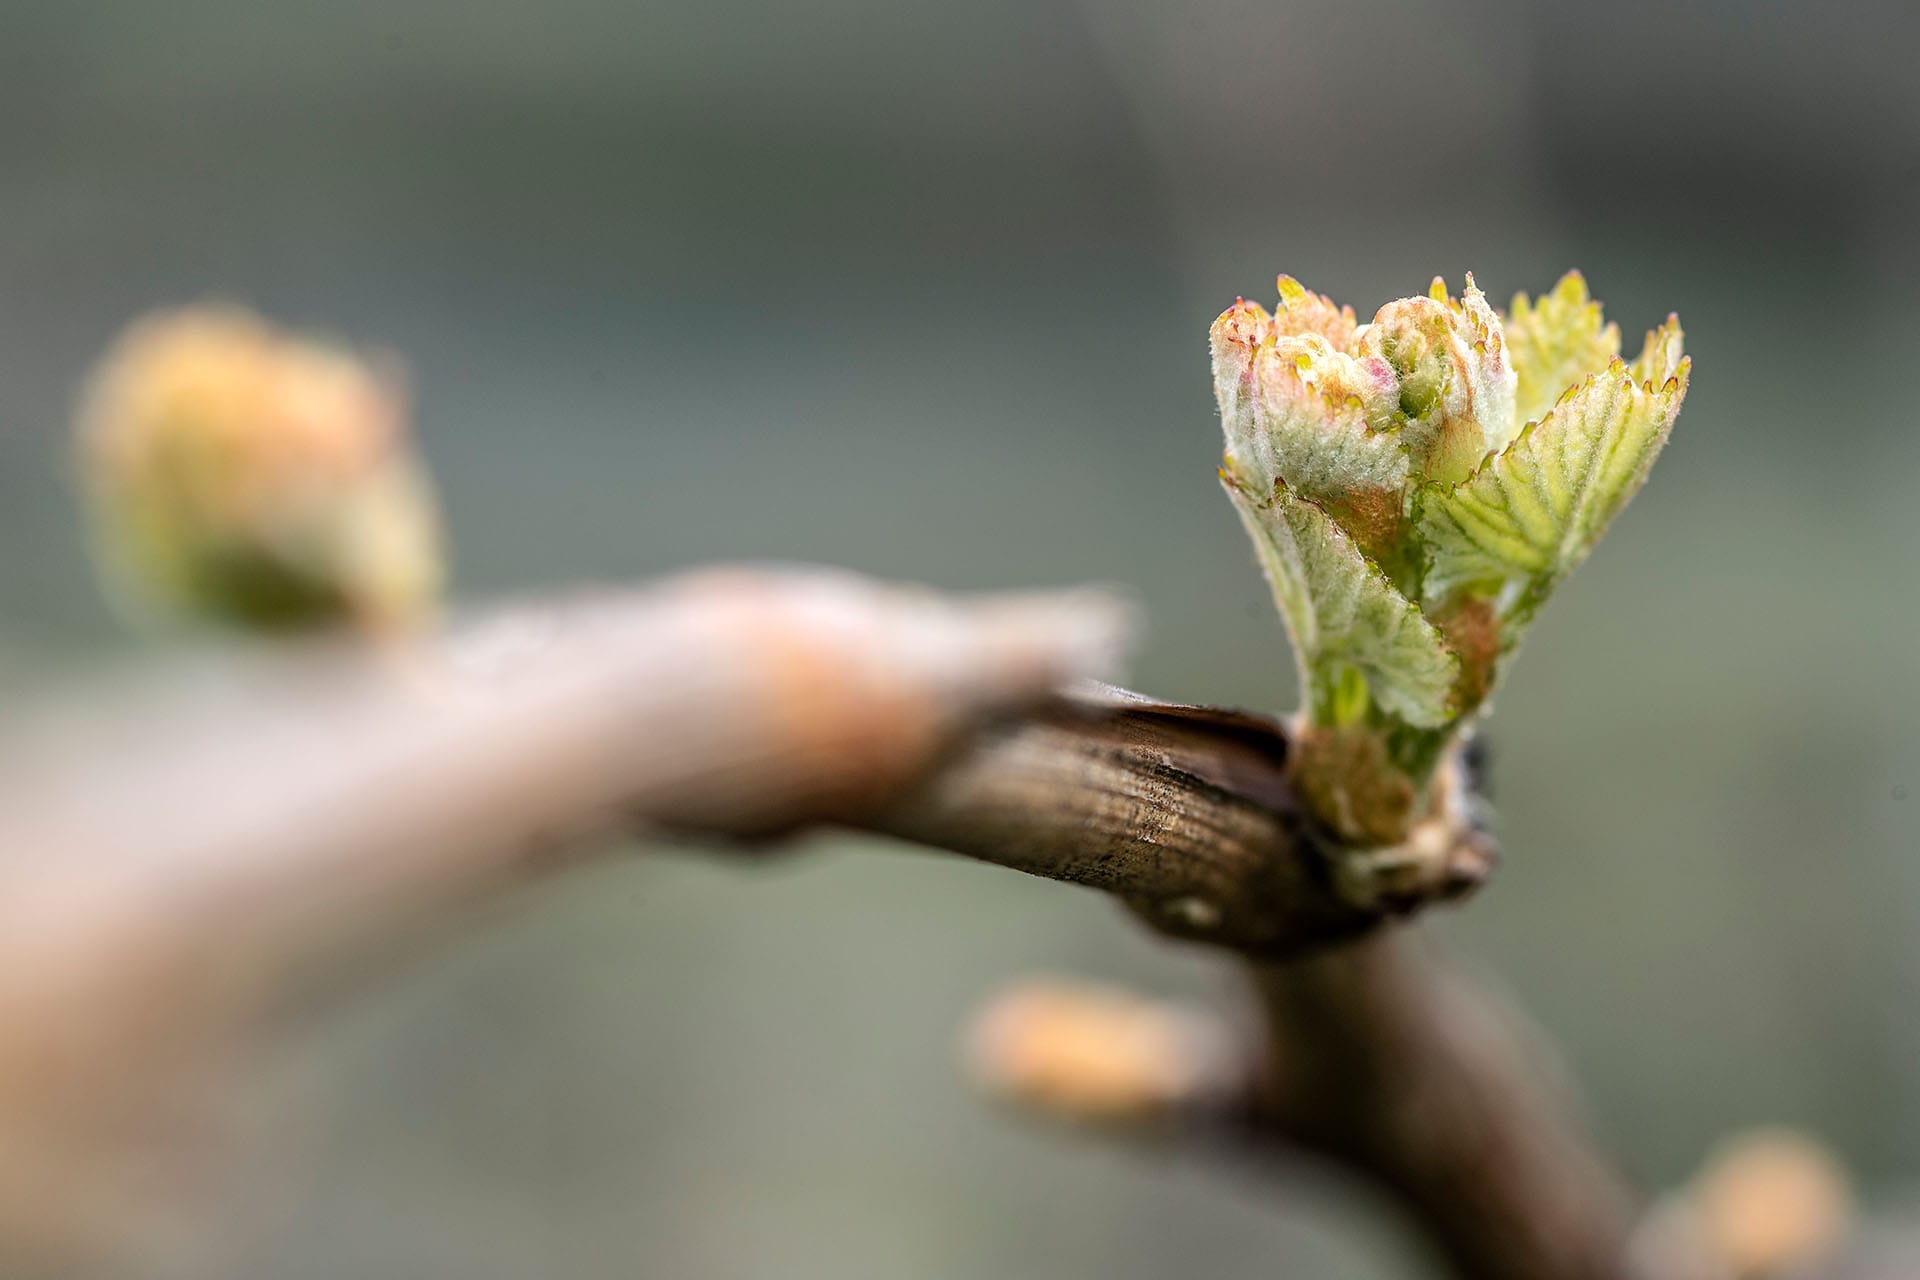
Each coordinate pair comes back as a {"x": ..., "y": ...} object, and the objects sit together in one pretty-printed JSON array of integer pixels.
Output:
[{"x": 191, "y": 866}]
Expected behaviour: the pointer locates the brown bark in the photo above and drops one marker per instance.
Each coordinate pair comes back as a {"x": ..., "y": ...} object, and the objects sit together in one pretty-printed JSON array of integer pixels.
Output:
[
  {"x": 1378, "y": 1056},
  {"x": 1186, "y": 814}
]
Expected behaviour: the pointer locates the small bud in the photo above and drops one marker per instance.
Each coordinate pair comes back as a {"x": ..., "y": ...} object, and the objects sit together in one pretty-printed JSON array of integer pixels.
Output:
[
  {"x": 244, "y": 476},
  {"x": 1456, "y": 387},
  {"x": 1770, "y": 1202},
  {"x": 1097, "y": 1054}
]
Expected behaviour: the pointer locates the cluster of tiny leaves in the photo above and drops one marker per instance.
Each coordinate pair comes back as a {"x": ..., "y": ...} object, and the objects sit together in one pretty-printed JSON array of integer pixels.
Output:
[{"x": 1417, "y": 485}]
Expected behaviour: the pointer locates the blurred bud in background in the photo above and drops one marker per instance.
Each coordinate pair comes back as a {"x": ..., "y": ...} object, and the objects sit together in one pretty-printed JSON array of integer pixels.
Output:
[
  {"x": 1097, "y": 1054},
  {"x": 1767, "y": 1204},
  {"x": 241, "y": 475}
]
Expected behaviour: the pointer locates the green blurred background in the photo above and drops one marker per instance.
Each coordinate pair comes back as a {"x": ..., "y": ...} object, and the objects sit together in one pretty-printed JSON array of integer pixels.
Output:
[{"x": 923, "y": 289}]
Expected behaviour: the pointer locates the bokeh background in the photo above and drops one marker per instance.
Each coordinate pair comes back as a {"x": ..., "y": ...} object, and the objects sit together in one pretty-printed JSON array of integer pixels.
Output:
[{"x": 923, "y": 289}]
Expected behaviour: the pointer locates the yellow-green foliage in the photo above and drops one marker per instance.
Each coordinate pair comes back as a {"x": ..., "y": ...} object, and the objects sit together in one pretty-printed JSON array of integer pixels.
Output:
[{"x": 1415, "y": 486}]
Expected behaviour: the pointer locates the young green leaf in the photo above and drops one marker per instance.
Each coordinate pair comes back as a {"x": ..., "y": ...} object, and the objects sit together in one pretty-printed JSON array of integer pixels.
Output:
[
  {"x": 1556, "y": 342},
  {"x": 1533, "y": 512},
  {"x": 1343, "y": 611}
]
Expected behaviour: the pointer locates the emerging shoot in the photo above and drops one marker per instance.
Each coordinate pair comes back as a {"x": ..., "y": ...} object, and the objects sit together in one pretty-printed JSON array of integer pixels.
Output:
[{"x": 1415, "y": 488}]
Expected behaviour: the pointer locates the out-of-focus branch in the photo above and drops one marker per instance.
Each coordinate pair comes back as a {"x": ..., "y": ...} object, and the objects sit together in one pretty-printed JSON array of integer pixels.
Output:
[
  {"x": 1383, "y": 1058},
  {"x": 173, "y": 872},
  {"x": 329, "y": 795}
]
